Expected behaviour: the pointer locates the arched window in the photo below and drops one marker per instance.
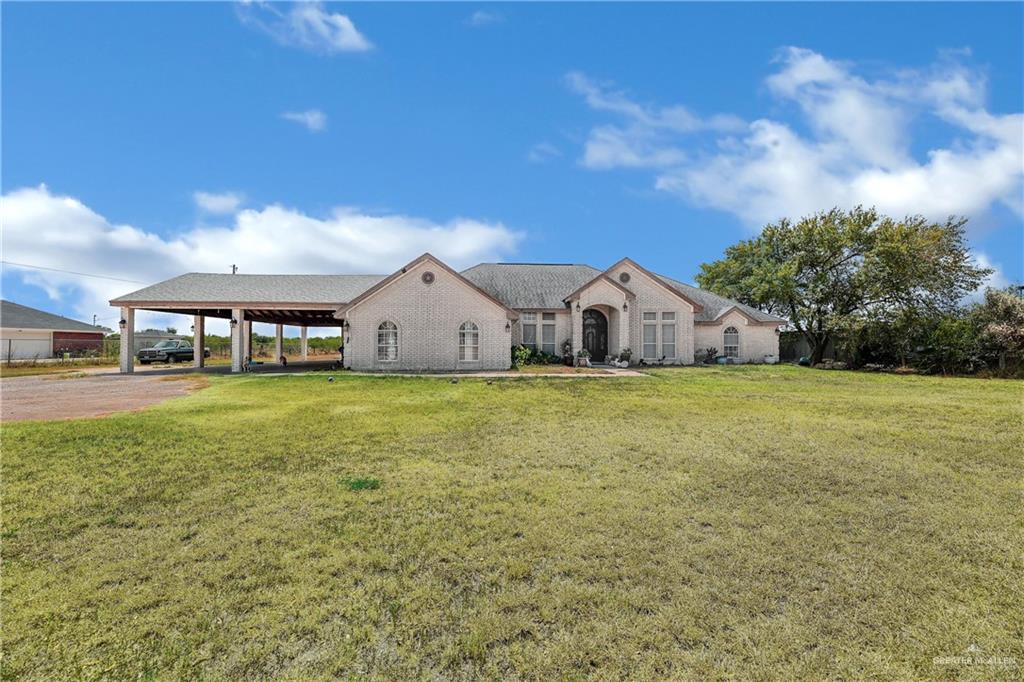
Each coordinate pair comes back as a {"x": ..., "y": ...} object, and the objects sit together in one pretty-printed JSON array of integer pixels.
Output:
[
  {"x": 387, "y": 342},
  {"x": 469, "y": 342},
  {"x": 731, "y": 342}
]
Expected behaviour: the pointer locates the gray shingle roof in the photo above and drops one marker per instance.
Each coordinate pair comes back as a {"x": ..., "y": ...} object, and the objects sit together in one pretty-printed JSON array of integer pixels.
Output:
[
  {"x": 223, "y": 288},
  {"x": 17, "y": 316},
  {"x": 715, "y": 305},
  {"x": 530, "y": 285},
  {"x": 517, "y": 285}
]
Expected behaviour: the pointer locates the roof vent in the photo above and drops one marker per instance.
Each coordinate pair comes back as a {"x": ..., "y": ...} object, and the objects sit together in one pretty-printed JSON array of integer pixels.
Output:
[
  {"x": 624, "y": 277},
  {"x": 427, "y": 277}
]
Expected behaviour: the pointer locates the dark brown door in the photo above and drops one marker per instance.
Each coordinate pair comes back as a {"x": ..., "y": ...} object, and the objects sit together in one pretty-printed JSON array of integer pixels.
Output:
[{"x": 595, "y": 334}]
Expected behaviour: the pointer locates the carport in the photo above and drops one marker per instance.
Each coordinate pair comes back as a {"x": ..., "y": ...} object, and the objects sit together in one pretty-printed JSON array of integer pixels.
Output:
[{"x": 303, "y": 301}]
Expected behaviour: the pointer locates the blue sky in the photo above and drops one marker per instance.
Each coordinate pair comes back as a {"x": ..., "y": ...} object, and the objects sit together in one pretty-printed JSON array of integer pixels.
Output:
[{"x": 144, "y": 140}]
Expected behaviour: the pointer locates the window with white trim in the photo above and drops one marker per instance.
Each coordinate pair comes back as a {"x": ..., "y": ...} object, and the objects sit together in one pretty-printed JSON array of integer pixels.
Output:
[
  {"x": 650, "y": 349},
  {"x": 469, "y": 342},
  {"x": 387, "y": 342},
  {"x": 547, "y": 338},
  {"x": 731, "y": 342},
  {"x": 530, "y": 330},
  {"x": 668, "y": 335}
]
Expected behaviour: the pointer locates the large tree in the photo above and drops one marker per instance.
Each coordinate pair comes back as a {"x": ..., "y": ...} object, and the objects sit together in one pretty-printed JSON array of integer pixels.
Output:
[{"x": 830, "y": 271}]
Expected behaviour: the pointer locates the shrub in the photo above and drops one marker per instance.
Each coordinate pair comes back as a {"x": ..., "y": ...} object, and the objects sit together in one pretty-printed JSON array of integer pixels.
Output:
[
  {"x": 1000, "y": 319},
  {"x": 520, "y": 355},
  {"x": 952, "y": 347},
  {"x": 542, "y": 358}
]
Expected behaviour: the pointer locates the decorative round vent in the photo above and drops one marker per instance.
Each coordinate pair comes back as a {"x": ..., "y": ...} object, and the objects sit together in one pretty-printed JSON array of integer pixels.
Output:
[
  {"x": 624, "y": 277},
  {"x": 427, "y": 277}
]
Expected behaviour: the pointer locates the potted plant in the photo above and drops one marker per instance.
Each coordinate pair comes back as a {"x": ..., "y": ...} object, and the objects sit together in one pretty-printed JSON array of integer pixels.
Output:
[
  {"x": 625, "y": 354},
  {"x": 567, "y": 352},
  {"x": 583, "y": 358}
]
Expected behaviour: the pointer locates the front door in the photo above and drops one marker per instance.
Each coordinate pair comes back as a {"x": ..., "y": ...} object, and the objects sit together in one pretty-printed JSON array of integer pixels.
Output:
[{"x": 595, "y": 334}]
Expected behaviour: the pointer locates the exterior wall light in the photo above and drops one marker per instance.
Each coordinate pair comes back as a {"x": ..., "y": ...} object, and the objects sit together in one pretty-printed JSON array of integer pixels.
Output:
[
  {"x": 234, "y": 322},
  {"x": 193, "y": 328},
  {"x": 625, "y": 306},
  {"x": 577, "y": 306},
  {"x": 508, "y": 326},
  {"x": 122, "y": 323}
]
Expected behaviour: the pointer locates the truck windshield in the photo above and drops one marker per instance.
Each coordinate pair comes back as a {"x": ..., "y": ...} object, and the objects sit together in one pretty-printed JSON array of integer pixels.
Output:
[{"x": 166, "y": 344}]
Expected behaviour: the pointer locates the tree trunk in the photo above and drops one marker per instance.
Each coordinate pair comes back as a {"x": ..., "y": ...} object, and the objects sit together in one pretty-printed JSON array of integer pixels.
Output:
[{"x": 818, "y": 344}]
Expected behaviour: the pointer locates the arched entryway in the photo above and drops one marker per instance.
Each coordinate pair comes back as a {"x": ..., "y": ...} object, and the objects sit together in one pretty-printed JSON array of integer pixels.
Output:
[{"x": 595, "y": 334}]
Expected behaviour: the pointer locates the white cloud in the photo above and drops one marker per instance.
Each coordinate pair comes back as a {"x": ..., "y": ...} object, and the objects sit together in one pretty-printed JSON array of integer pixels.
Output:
[
  {"x": 53, "y": 231},
  {"x": 543, "y": 152},
  {"x": 646, "y": 136},
  {"x": 313, "y": 119},
  {"x": 481, "y": 18},
  {"x": 997, "y": 280},
  {"x": 857, "y": 149},
  {"x": 306, "y": 25},
  {"x": 218, "y": 202}
]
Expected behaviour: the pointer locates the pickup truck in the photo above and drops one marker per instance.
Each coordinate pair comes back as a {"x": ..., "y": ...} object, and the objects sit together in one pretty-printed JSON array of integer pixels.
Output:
[{"x": 169, "y": 351}]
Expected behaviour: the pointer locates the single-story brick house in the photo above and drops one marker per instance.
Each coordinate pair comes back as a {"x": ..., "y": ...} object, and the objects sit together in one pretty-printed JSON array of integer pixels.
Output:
[
  {"x": 32, "y": 334},
  {"x": 427, "y": 316}
]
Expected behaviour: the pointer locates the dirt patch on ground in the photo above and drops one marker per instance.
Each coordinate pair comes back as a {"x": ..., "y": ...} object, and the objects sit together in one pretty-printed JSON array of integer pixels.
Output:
[{"x": 68, "y": 396}]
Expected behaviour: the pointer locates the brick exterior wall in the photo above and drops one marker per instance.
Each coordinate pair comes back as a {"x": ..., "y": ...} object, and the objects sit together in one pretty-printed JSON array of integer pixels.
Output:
[
  {"x": 756, "y": 340},
  {"x": 77, "y": 341},
  {"x": 651, "y": 296},
  {"x": 428, "y": 317}
]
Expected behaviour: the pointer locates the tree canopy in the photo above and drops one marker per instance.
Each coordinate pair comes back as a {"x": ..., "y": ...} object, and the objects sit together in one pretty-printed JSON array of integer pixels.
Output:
[{"x": 830, "y": 270}]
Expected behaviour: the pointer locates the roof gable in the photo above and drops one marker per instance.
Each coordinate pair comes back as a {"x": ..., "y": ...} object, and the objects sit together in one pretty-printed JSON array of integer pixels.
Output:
[
  {"x": 696, "y": 305},
  {"x": 398, "y": 274},
  {"x": 605, "y": 279}
]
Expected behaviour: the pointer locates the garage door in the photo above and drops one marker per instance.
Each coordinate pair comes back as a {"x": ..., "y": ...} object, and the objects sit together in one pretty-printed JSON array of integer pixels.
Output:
[{"x": 25, "y": 348}]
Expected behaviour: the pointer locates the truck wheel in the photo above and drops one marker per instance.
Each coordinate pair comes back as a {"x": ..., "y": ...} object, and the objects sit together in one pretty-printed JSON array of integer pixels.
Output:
[{"x": 171, "y": 359}]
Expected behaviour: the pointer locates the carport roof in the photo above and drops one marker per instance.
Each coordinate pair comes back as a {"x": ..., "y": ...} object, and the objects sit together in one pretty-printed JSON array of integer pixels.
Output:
[
  {"x": 17, "y": 316},
  {"x": 204, "y": 288}
]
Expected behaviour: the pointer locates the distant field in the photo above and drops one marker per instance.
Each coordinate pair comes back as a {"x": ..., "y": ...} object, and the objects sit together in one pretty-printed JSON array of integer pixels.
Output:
[{"x": 738, "y": 522}]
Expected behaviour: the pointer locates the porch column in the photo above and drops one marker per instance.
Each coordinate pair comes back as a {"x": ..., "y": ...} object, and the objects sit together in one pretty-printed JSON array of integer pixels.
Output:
[
  {"x": 577, "y": 329},
  {"x": 624, "y": 331},
  {"x": 199, "y": 340},
  {"x": 246, "y": 337},
  {"x": 128, "y": 341},
  {"x": 279, "y": 343},
  {"x": 237, "y": 339},
  {"x": 305, "y": 343}
]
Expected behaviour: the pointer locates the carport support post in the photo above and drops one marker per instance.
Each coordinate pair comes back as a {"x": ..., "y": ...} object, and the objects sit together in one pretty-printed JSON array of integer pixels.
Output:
[
  {"x": 128, "y": 341},
  {"x": 237, "y": 334},
  {"x": 199, "y": 340},
  {"x": 305, "y": 343},
  {"x": 246, "y": 337},
  {"x": 279, "y": 343}
]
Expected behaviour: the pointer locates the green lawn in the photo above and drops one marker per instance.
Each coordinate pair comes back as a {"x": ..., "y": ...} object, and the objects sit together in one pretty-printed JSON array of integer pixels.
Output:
[{"x": 741, "y": 522}]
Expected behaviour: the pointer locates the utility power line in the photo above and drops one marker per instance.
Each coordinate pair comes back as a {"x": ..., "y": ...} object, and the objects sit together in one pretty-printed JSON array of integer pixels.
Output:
[{"x": 83, "y": 274}]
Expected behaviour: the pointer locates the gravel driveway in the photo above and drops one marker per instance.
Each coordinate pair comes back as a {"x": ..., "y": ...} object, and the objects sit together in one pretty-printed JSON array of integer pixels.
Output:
[{"x": 63, "y": 396}]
